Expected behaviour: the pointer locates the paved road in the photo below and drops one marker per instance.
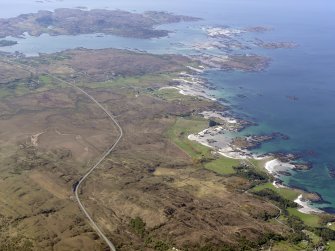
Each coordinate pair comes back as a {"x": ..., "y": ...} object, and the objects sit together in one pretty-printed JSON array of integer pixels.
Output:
[
  {"x": 96, "y": 165},
  {"x": 77, "y": 187}
]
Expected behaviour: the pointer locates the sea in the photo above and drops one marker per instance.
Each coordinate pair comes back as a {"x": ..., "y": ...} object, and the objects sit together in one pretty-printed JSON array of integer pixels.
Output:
[{"x": 306, "y": 72}]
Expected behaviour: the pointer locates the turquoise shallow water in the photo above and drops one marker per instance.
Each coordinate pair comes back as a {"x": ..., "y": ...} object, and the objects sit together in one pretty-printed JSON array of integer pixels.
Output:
[{"x": 306, "y": 72}]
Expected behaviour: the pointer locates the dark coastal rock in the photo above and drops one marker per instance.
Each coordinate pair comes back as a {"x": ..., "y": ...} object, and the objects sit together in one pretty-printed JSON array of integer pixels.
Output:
[
  {"x": 291, "y": 156},
  {"x": 254, "y": 141},
  {"x": 274, "y": 45},
  {"x": 332, "y": 173},
  {"x": 286, "y": 157},
  {"x": 244, "y": 123},
  {"x": 258, "y": 29},
  {"x": 303, "y": 166},
  {"x": 292, "y": 98},
  {"x": 241, "y": 62},
  {"x": 285, "y": 137},
  {"x": 279, "y": 135},
  {"x": 278, "y": 181},
  {"x": 331, "y": 170},
  {"x": 284, "y": 173},
  {"x": 250, "y": 142},
  {"x": 211, "y": 87},
  {"x": 223, "y": 100},
  {"x": 241, "y": 96},
  {"x": 310, "y": 153},
  {"x": 314, "y": 197}
]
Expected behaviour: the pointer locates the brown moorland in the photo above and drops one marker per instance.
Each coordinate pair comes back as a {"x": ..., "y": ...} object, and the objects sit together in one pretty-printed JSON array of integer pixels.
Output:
[{"x": 148, "y": 194}]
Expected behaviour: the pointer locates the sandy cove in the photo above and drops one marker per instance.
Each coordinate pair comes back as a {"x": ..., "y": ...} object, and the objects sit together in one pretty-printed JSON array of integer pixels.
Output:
[{"x": 215, "y": 138}]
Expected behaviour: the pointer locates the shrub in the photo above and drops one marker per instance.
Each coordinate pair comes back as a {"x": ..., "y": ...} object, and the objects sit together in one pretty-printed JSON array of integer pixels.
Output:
[
  {"x": 272, "y": 195},
  {"x": 325, "y": 233},
  {"x": 161, "y": 246},
  {"x": 251, "y": 174},
  {"x": 138, "y": 225}
]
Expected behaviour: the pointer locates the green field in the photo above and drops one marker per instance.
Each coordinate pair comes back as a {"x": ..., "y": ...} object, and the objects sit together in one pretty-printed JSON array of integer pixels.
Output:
[
  {"x": 223, "y": 165},
  {"x": 286, "y": 193},
  {"x": 179, "y": 132},
  {"x": 309, "y": 219}
]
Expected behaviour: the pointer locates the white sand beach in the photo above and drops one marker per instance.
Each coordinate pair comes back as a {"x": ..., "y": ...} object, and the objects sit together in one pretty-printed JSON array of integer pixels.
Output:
[
  {"x": 275, "y": 166},
  {"x": 305, "y": 206}
]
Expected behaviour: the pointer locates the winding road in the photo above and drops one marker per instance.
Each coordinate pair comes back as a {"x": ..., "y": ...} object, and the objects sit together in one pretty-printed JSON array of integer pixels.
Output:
[
  {"x": 103, "y": 157},
  {"x": 96, "y": 165}
]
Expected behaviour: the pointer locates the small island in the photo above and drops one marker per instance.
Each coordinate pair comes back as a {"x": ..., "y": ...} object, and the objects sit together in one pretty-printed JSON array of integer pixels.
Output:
[
  {"x": 275, "y": 45},
  {"x": 4, "y": 43}
]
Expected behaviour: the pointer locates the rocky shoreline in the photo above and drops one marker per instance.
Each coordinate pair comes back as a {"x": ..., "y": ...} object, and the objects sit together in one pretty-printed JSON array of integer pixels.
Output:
[
  {"x": 241, "y": 62},
  {"x": 220, "y": 137},
  {"x": 228, "y": 39}
]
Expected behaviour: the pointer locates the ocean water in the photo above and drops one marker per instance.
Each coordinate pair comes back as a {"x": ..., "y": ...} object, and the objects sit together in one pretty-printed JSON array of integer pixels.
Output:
[{"x": 307, "y": 72}]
